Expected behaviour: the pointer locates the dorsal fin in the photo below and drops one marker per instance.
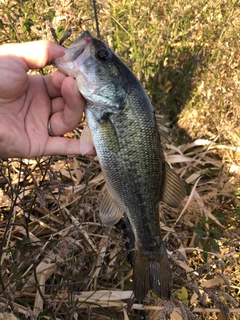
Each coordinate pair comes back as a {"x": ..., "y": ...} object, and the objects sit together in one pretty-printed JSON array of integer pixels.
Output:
[
  {"x": 173, "y": 189},
  {"x": 110, "y": 211}
]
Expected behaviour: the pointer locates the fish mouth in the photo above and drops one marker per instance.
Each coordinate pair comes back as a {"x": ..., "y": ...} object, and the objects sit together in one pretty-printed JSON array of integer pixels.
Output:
[
  {"x": 84, "y": 38},
  {"x": 79, "y": 45},
  {"x": 75, "y": 50}
]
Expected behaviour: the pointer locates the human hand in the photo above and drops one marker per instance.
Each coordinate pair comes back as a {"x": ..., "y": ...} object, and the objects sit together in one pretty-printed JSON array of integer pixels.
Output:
[{"x": 27, "y": 102}]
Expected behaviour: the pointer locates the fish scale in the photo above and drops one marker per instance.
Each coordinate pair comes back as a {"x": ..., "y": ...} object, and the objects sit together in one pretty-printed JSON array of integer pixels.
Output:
[{"x": 124, "y": 131}]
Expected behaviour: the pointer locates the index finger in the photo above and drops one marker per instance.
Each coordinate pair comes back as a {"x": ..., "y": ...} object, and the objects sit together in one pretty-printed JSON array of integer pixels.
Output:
[{"x": 36, "y": 54}]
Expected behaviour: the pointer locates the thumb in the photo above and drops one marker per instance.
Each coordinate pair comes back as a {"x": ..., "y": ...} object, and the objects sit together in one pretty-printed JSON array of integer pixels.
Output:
[{"x": 36, "y": 54}]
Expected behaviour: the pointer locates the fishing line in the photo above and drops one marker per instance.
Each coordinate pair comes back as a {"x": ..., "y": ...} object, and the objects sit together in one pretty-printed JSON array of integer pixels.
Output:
[{"x": 96, "y": 20}]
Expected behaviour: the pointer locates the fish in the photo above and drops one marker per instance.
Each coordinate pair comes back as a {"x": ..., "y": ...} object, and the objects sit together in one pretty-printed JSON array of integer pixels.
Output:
[{"x": 121, "y": 123}]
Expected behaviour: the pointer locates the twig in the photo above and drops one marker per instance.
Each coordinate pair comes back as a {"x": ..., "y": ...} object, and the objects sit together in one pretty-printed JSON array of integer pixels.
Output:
[{"x": 218, "y": 255}]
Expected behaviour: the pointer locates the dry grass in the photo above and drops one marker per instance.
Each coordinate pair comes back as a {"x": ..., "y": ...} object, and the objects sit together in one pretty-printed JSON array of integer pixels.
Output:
[{"x": 57, "y": 261}]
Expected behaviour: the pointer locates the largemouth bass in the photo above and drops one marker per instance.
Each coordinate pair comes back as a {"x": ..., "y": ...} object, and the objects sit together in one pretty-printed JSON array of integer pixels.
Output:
[{"x": 127, "y": 141}]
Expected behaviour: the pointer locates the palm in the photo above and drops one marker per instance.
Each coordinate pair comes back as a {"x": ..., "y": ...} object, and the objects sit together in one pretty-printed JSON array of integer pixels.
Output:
[
  {"x": 25, "y": 110},
  {"x": 27, "y": 102}
]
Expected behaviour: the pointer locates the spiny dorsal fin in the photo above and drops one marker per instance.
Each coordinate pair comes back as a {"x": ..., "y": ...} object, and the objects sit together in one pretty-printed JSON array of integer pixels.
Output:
[
  {"x": 174, "y": 190},
  {"x": 110, "y": 211}
]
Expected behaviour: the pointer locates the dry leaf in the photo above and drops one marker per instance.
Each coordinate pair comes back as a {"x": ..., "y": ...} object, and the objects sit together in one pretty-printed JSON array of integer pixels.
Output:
[
  {"x": 175, "y": 315},
  {"x": 212, "y": 282},
  {"x": 220, "y": 316}
]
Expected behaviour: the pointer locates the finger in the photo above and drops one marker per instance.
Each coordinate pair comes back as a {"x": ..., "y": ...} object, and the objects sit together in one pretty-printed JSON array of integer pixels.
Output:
[
  {"x": 54, "y": 84},
  {"x": 64, "y": 146},
  {"x": 67, "y": 119},
  {"x": 53, "y": 89},
  {"x": 36, "y": 54},
  {"x": 58, "y": 104},
  {"x": 57, "y": 80},
  {"x": 72, "y": 96}
]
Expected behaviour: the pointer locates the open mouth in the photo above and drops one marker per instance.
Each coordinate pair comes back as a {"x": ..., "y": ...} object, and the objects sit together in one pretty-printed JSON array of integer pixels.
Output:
[
  {"x": 77, "y": 53},
  {"x": 78, "y": 46}
]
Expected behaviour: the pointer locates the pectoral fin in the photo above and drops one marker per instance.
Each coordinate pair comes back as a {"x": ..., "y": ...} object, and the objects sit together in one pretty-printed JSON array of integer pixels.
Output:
[
  {"x": 86, "y": 142},
  {"x": 110, "y": 211},
  {"x": 174, "y": 190}
]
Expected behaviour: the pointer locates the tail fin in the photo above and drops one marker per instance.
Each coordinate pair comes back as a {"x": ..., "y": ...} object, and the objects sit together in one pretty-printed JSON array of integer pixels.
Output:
[{"x": 152, "y": 272}]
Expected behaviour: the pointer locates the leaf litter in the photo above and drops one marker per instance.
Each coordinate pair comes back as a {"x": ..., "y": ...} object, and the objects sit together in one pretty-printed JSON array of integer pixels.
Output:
[{"x": 55, "y": 251}]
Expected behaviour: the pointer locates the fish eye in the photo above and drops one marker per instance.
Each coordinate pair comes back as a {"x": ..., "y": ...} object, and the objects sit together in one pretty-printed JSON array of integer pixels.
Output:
[{"x": 103, "y": 54}]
